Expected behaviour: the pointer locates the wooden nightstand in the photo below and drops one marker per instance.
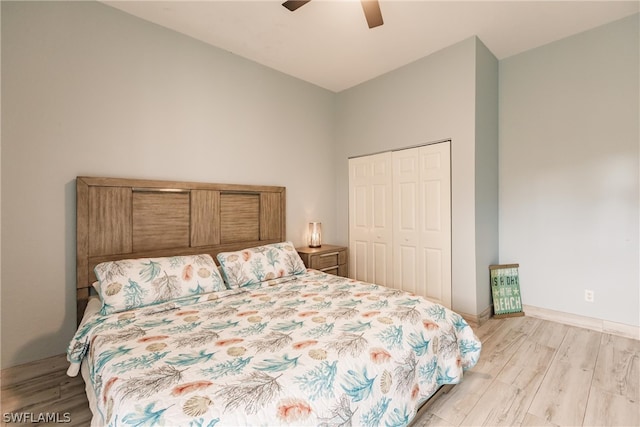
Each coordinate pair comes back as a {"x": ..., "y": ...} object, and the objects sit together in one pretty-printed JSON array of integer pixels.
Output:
[{"x": 328, "y": 258}]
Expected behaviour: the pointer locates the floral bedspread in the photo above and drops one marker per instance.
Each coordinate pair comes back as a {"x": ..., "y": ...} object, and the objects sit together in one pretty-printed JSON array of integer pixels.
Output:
[{"x": 315, "y": 349}]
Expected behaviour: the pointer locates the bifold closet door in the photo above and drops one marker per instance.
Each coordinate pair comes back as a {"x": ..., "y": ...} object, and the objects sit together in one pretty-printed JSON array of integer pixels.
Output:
[
  {"x": 422, "y": 221},
  {"x": 370, "y": 219}
]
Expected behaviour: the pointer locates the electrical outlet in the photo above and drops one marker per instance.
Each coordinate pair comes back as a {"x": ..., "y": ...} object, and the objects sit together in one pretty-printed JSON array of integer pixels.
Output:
[{"x": 588, "y": 295}]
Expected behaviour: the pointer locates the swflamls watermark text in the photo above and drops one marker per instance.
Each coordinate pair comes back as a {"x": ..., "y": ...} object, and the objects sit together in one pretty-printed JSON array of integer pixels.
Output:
[{"x": 33, "y": 417}]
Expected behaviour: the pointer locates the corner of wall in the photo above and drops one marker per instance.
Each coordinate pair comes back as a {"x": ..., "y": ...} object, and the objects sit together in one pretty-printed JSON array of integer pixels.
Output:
[
  {"x": 486, "y": 171},
  {"x": 0, "y": 166}
]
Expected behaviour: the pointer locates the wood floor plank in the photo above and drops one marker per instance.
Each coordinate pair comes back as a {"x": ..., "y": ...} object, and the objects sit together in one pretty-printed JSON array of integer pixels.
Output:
[
  {"x": 70, "y": 398},
  {"x": 531, "y": 420},
  {"x": 525, "y": 325},
  {"x": 609, "y": 409},
  {"x": 576, "y": 341},
  {"x": 499, "y": 406},
  {"x": 532, "y": 355},
  {"x": 497, "y": 349},
  {"x": 490, "y": 327},
  {"x": 455, "y": 405},
  {"x": 75, "y": 406},
  {"x": 524, "y": 374},
  {"x": 563, "y": 394},
  {"x": 12, "y": 401},
  {"x": 549, "y": 333},
  {"x": 18, "y": 374},
  {"x": 431, "y": 420},
  {"x": 46, "y": 388},
  {"x": 618, "y": 367}
]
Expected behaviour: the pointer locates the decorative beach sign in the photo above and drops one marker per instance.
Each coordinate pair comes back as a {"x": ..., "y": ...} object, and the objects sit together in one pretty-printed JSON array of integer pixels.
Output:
[{"x": 505, "y": 289}]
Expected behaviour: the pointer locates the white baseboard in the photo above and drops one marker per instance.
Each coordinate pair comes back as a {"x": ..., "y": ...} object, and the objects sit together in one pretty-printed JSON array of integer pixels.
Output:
[{"x": 599, "y": 325}]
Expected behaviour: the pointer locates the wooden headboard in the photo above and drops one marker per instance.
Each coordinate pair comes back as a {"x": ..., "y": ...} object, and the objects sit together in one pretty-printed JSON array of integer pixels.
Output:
[{"x": 132, "y": 218}]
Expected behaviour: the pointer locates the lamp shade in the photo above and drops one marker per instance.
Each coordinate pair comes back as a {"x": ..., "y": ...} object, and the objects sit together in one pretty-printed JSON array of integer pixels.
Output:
[{"x": 315, "y": 234}]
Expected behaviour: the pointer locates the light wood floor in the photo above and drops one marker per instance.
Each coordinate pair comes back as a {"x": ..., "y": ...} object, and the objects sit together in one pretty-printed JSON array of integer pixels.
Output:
[{"x": 532, "y": 372}]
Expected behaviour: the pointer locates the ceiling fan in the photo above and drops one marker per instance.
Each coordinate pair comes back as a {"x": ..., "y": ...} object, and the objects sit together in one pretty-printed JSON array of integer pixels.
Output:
[{"x": 371, "y": 10}]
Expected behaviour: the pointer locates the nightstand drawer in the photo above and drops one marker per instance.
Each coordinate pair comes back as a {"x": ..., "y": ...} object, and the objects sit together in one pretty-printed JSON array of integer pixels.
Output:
[
  {"x": 339, "y": 270},
  {"x": 327, "y": 258},
  {"x": 330, "y": 259}
]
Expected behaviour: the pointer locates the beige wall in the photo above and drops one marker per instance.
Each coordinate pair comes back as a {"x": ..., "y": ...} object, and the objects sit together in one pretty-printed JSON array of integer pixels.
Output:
[{"x": 89, "y": 90}]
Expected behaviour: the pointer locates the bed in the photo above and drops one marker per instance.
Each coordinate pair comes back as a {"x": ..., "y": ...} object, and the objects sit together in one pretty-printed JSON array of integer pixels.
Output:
[{"x": 174, "y": 338}]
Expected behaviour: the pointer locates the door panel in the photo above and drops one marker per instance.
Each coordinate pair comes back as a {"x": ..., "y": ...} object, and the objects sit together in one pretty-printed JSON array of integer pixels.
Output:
[
  {"x": 435, "y": 239},
  {"x": 432, "y": 205},
  {"x": 433, "y": 274},
  {"x": 380, "y": 268},
  {"x": 406, "y": 219},
  {"x": 406, "y": 269},
  {"x": 370, "y": 213},
  {"x": 422, "y": 221},
  {"x": 358, "y": 258}
]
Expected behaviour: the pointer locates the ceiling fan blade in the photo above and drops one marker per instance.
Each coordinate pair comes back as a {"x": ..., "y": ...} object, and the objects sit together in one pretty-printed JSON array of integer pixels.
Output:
[
  {"x": 294, "y": 4},
  {"x": 372, "y": 13}
]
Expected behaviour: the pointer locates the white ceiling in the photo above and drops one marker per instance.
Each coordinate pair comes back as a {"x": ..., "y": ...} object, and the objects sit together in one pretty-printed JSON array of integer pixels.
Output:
[{"x": 328, "y": 43}]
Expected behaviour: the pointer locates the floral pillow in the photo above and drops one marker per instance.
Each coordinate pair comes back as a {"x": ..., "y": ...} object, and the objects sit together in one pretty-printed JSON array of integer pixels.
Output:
[
  {"x": 252, "y": 266},
  {"x": 132, "y": 283}
]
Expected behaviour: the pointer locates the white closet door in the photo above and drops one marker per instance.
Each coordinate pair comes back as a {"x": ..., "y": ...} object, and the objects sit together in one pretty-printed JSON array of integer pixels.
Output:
[
  {"x": 406, "y": 175},
  {"x": 370, "y": 219},
  {"x": 422, "y": 221}
]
